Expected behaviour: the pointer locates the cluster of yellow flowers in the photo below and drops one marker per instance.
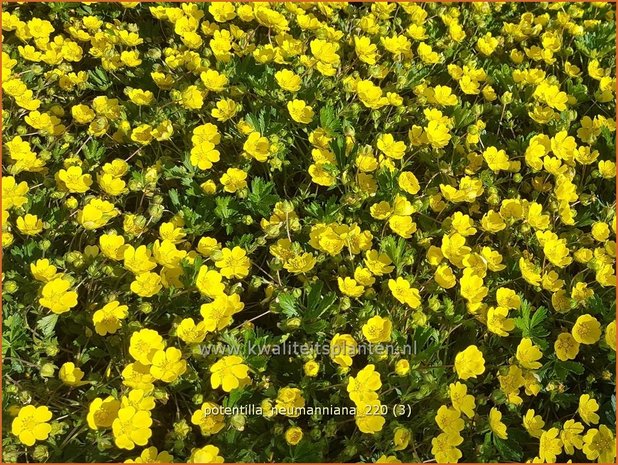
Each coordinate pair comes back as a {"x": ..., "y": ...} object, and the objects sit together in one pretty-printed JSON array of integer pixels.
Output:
[{"x": 184, "y": 183}]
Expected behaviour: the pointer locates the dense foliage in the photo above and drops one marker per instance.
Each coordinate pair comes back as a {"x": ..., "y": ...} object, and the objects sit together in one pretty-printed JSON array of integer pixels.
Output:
[{"x": 404, "y": 210}]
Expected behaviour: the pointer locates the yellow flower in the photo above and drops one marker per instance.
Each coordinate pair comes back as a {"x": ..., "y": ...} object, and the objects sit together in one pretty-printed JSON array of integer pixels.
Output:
[
  {"x": 139, "y": 399},
  {"x": 408, "y": 182},
  {"x": 74, "y": 180},
  {"x": 131, "y": 428},
  {"x": 137, "y": 376},
  {"x": 498, "y": 321},
  {"x": 566, "y": 347},
  {"x": 390, "y": 147},
  {"x": 449, "y": 420},
  {"x": 213, "y": 80},
  {"x": 43, "y": 270},
  {"x": 108, "y": 319},
  {"x": 31, "y": 424},
  {"x": 586, "y": 330},
  {"x": 111, "y": 185},
  {"x": 342, "y": 348},
  {"x": 497, "y": 160},
  {"x": 96, "y": 214},
  {"x": 370, "y": 94},
  {"x": 102, "y": 412},
  {"x": 225, "y": 109},
  {"x": 350, "y": 287},
  {"x": 528, "y": 354},
  {"x": 146, "y": 284},
  {"x": 610, "y": 335},
  {"x": 401, "y": 438},
  {"x": 288, "y": 80},
  {"x": 529, "y": 272},
  {"x": 191, "y": 333},
  {"x": 444, "y": 447},
  {"x": 600, "y": 231},
  {"x": 402, "y": 367},
  {"x": 300, "y": 264},
  {"x": 192, "y": 98},
  {"x": 206, "y": 454},
  {"x": 152, "y": 455},
  {"x": 138, "y": 260},
  {"x": 56, "y": 296},
  {"x": 70, "y": 375},
  {"x": 300, "y": 111},
  {"x": 293, "y": 435},
  {"x": 557, "y": 252},
  {"x": 289, "y": 402},
  {"x": 600, "y": 444},
  {"x": 550, "y": 445},
  {"x": 387, "y": 459},
  {"x": 209, "y": 282},
  {"x": 233, "y": 180},
  {"x": 461, "y": 400},
  {"x": 469, "y": 363},
  {"x": 473, "y": 290},
  {"x": 257, "y": 146},
  {"x": 365, "y": 50},
  {"x": 607, "y": 169},
  {"x": 437, "y": 134},
  {"x": 368, "y": 417},
  {"x": 377, "y": 329},
  {"x": 571, "y": 436},
  {"x": 311, "y": 368},
  {"x": 404, "y": 293},
  {"x": 362, "y": 388},
  {"x": 495, "y": 423},
  {"x": 29, "y": 224},
  {"x": 587, "y": 409},
  {"x": 229, "y": 372},
  {"x": 204, "y": 155},
  {"x": 82, "y": 114},
  {"x": 233, "y": 263},
  {"x": 487, "y": 44},
  {"x": 208, "y": 419},
  {"x": 144, "y": 344},
  {"x": 533, "y": 423},
  {"x": 218, "y": 314},
  {"x": 167, "y": 365},
  {"x": 140, "y": 97}
]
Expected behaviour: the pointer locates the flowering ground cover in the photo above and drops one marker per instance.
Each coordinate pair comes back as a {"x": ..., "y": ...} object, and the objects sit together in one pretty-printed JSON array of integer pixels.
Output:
[{"x": 308, "y": 232}]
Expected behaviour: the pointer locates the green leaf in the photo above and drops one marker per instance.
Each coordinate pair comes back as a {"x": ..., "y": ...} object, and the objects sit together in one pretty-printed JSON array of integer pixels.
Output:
[
  {"x": 288, "y": 304},
  {"x": 235, "y": 397},
  {"x": 317, "y": 302},
  {"x": 509, "y": 449},
  {"x": 564, "y": 368},
  {"x": 225, "y": 208},
  {"x": 47, "y": 324},
  {"x": 395, "y": 248},
  {"x": 531, "y": 324},
  {"x": 329, "y": 121},
  {"x": 309, "y": 451},
  {"x": 261, "y": 197},
  {"x": 173, "y": 195}
]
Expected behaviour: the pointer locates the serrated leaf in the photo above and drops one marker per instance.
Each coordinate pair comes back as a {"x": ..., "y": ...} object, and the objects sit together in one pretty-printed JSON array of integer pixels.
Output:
[
  {"x": 329, "y": 121},
  {"x": 288, "y": 304},
  {"x": 47, "y": 324},
  {"x": 509, "y": 449}
]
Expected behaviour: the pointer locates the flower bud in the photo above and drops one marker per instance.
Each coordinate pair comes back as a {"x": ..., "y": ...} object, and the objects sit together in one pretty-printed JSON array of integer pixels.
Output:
[
  {"x": 145, "y": 307},
  {"x": 47, "y": 370},
  {"x": 10, "y": 287},
  {"x": 40, "y": 453}
]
